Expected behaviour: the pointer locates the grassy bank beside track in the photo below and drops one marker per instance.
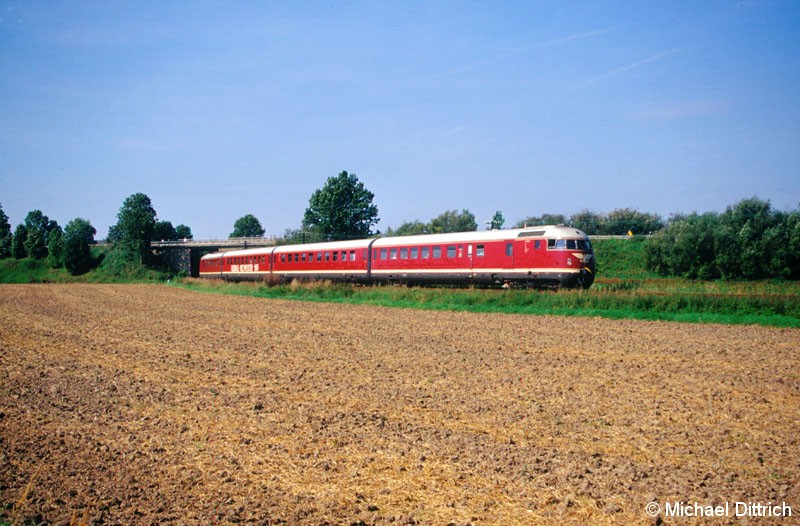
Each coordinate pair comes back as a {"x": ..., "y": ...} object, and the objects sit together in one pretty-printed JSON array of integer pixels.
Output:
[{"x": 766, "y": 309}]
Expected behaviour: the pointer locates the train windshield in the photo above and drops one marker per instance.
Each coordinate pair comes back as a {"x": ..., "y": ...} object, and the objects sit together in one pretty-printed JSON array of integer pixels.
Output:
[{"x": 569, "y": 244}]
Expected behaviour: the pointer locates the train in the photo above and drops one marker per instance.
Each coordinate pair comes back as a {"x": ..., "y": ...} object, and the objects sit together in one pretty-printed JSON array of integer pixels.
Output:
[{"x": 552, "y": 256}]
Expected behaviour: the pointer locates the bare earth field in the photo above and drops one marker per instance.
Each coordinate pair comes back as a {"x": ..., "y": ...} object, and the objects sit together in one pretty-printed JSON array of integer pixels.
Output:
[{"x": 146, "y": 404}]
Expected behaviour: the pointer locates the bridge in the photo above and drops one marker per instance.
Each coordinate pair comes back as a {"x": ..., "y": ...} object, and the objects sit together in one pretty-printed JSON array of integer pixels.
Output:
[{"x": 184, "y": 254}]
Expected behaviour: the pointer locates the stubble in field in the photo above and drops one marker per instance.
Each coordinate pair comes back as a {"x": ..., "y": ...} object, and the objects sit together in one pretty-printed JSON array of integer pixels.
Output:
[{"x": 152, "y": 405}]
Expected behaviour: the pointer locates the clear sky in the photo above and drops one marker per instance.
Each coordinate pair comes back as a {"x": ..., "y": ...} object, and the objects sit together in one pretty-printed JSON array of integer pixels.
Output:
[{"x": 219, "y": 109}]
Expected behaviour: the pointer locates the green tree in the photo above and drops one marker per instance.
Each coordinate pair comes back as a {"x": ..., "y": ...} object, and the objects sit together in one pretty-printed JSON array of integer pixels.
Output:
[
  {"x": 742, "y": 249},
  {"x": 453, "y": 221},
  {"x": 38, "y": 227},
  {"x": 409, "y": 228},
  {"x": 685, "y": 247},
  {"x": 114, "y": 236},
  {"x": 341, "y": 209},
  {"x": 164, "y": 231},
  {"x": 55, "y": 248},
  {"x": 5, "y": 235},
  {"x": 749, "y": 240},
  {"x": 624, "y": 220},
  {"x": 18, "y": 242},
  {"x": 544, "y": 219},
  {"x": 136, "y": 223},
  {"x": 78, "y": 236},
  {"x": 497, "y": 221},
  {"x": 247, "y": 226},
  {"x": 183, "y": 232},
  {"x": 588, "y": 221}
]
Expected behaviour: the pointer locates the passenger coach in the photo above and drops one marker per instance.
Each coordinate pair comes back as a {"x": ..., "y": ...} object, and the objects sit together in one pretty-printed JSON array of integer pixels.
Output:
[{"x": 545, "y": 256}]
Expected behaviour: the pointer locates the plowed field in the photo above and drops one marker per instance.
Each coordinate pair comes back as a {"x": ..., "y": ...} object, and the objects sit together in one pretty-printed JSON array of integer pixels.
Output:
[{"x": 145, "y": 404}]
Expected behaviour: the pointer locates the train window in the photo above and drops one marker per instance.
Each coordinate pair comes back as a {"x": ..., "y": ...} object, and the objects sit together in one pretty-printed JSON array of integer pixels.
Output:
[
  {"x": 303, "y": 257},
  {"x": 310, "y": 257},
  {"x": 479, "y": 251},
  {"x": 537, "y": 244},
  {"x": 327, "y": 256},
  {"x": 556, "y": 243},
  {"x": 319, "y": 256},
  {"x": 384, "y": 253},
  {"x": 437, "y": 252},
  {"x": 296, "y": 257},
  {"x": 451, "y": 251},
  {"x": 582, "y": 245},
  {"x": 509, "y": 249},
  {"x": 571, "y": 244},
  {"x": 403, "y": 253},
  {"x": 414, "y": 253},
  {"x": 283, "y": 258},
  {"x": 335, "y": 256},
  {"x": 344, "y": 255},
  {"x": 392, "y": 253}
]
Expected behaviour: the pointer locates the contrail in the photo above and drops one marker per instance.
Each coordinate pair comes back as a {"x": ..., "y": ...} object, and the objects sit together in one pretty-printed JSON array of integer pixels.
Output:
[
  {"x": 629, "y": 67},
  {"x": 515, "y": 51}
]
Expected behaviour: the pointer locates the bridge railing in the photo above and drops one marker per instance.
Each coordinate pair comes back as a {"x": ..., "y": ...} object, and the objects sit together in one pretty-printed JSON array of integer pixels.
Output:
[{"x": 227, "y": 242}]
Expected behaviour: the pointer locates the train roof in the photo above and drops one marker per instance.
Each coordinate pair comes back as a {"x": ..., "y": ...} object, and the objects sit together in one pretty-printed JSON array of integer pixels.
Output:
[
  {"x": 556, "y": 231},
  {"x": 547, "y": 231},
  {"x": 328, "y": 245}
]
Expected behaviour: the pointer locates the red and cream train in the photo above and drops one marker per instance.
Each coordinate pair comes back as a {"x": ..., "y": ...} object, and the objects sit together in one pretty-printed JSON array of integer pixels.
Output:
[{"x": 542, "y": 256}]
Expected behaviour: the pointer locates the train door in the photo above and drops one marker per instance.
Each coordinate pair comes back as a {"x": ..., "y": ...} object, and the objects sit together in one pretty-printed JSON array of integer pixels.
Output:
[
  {"x": 509, "y": 259},
  {"x": 469, "y": 256}
]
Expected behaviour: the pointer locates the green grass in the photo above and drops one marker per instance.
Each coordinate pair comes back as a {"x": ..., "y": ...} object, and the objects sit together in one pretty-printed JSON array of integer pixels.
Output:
[
  {"x": 30, "y": 271},
  {"x": 109, "y": 268},
  {"x": 622, "y": 258},
  {"x": 699, "y": 308}
]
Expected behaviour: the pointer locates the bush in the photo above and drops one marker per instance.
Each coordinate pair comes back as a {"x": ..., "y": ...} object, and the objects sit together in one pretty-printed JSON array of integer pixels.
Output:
[{"x": 749, "y": 240}]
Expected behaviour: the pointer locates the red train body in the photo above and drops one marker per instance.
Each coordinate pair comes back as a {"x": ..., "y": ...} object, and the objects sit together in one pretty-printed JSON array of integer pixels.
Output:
[{"x": 545, "y": 256}]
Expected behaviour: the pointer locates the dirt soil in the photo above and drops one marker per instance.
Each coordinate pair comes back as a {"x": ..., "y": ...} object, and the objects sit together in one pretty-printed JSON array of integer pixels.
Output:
[{"x": 148, "y": 404}]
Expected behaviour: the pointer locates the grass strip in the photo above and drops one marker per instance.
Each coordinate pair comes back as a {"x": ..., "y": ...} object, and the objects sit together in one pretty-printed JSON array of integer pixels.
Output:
[{"x": 777, "y": 311}]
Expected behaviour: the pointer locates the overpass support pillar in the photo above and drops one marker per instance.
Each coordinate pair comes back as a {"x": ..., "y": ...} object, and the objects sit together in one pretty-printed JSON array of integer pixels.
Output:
[{"x": 179, "y": 259}]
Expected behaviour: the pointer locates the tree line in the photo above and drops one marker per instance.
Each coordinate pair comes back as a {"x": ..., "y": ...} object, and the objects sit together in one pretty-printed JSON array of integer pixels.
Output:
[
  {"x": 749, "y": 240},
  {"x": 40, "y": 237}
]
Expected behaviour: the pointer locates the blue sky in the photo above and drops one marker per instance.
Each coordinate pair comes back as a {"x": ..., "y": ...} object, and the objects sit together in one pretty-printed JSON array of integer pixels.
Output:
[{"x": 219, "y": 109}]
